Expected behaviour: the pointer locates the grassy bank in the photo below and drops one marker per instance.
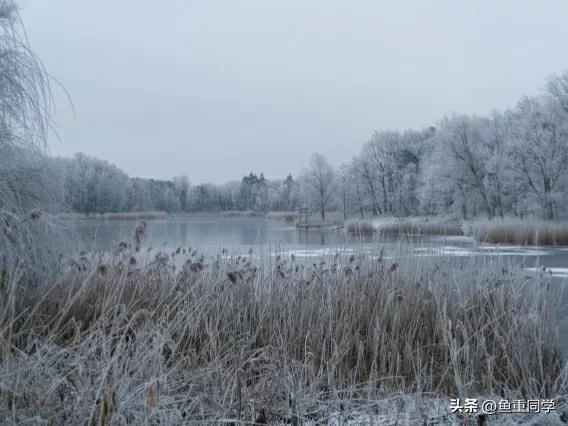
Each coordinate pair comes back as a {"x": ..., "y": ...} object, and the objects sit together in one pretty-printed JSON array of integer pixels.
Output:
[
  {"x": 518, "y": 231},
  {"x": 173, "y": 337}
]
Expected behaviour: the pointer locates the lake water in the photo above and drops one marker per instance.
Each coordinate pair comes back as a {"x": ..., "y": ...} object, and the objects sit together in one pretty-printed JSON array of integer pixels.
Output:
[{"x": 211, "y": 234}]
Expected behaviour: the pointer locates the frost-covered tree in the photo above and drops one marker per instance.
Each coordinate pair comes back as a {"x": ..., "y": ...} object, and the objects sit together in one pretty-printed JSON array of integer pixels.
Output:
[
  {"x": 380, "y": 165},
  {"x": 344, "y": 190},
  {"x": 356, "y": 186},
  {"x": 138, "y": 196},
  {"x": 557, "y": 88},
  {"x": 319, "y": 179},
  {"x": 350, "y": 190},
  {"x": 25, "y": 104},
  {"x": 389, "y": 164},
  {"x": 253, "y": 192},
  {"x": 182, "y": 185},
  {"x": 28, "y": 180},
  {"x": 94, "y": 186},
  {"x": 459, "y": 162},
  {"x": 538, "y": 144},
  {"x": 365, "y": 173},
  {"x": 288, "y": 194}
]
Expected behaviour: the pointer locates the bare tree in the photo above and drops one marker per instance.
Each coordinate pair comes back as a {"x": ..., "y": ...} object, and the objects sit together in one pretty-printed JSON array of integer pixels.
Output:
[
  {"x": 557, "y": 87},
  {"x": 539, "y": 147},
  {"x": 182, "y": 188},
  {"x": 367, "y": 176},
  {"x": 320, "y": 181},
  {"x": 343, "y": 181},
  {"x": 461, "y": 146}
]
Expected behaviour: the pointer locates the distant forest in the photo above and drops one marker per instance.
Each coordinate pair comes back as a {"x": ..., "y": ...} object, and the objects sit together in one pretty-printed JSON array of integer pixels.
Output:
[{"x": 507, "y": 163}]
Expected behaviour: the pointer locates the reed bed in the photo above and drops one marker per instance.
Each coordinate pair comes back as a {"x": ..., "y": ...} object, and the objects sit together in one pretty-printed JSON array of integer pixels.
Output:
[
  {"x": 143, "y": 337},
  {"x": 419, "y": 226},
  {"x": 519, "y": 231},
  {"x": 359, "y": 227}
]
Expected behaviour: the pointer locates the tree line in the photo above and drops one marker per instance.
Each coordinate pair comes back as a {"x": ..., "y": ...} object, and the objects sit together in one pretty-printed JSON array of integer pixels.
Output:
[
  {"x": 506, "y": 163},
  {"x": 513, "y": 162}
]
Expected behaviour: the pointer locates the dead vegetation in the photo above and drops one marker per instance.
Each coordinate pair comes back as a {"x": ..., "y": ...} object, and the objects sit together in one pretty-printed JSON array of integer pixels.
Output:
[
  {"x": 176, "y": 337},
  {"x": 359, "y": 227},
  {"x": 419, "y": 226},
  {"x": 519, "y": 231}
]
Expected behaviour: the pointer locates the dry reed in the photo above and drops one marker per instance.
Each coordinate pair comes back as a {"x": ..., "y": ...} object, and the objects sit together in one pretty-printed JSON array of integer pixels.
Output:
[
  {"x": 359, "y": 227},
  {"x": 175, "y": 337},
  {"x": 419, "y": 226},
  {"x": 519, "y": 231}
]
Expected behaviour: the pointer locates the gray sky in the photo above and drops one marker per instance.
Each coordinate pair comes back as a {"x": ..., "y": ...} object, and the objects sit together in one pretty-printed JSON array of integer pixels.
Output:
[{"x": 215, "y": 89}]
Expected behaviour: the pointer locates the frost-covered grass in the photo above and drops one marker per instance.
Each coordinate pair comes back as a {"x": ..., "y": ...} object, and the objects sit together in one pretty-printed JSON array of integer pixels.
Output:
[
  {"x": 518, "y": 231},
  {"x": 138, "y": 337},
  {"x": 419, "y": 225}
]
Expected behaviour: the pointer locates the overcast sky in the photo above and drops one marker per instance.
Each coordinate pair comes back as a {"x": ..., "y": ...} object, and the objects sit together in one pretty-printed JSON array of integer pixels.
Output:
[{"x": 215, "y": 89}]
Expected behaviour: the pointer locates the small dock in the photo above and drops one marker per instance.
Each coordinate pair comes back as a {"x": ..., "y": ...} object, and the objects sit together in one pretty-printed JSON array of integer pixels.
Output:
[
  {"x": 304, "y": 223},
  {"x": 320, "y": 226}
]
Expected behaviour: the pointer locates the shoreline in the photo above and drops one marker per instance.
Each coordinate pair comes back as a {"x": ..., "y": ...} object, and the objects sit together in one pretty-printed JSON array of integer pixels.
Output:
[{"x": 505, "y": 231}]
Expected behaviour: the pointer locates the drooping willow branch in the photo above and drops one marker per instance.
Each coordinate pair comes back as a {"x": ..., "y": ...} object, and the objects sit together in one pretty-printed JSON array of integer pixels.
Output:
[
  {"x": 26, "y": 102},
  {"x": 25, "y": 94}
]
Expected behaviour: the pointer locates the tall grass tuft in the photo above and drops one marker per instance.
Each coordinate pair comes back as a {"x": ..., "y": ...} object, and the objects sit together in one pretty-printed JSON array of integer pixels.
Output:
[
  {"x": 359, "y": 227},
  {"x": 519, "y": 231},
  {"x": 419, "y": 226},
  {"x": 174, "y": 337}
]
